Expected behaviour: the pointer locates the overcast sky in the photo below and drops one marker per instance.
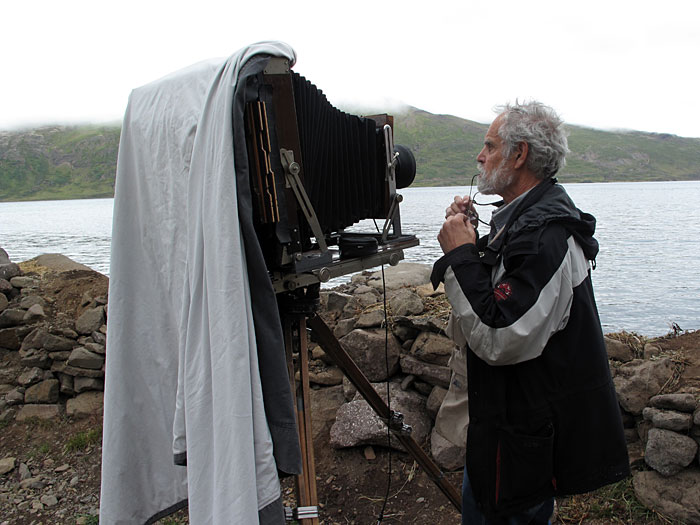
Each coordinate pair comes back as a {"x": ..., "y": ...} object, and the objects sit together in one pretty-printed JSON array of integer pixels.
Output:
[{"x": 607, "y": 64}]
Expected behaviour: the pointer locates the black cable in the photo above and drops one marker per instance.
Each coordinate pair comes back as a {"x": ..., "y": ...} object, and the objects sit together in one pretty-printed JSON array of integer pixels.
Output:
[{"x": 388, "y": 397}]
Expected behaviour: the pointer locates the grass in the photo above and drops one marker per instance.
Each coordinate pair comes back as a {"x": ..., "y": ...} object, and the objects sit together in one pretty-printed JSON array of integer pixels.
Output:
[
  {"x": 83, "y": 440},
  {"x": 616, "y": 503}
]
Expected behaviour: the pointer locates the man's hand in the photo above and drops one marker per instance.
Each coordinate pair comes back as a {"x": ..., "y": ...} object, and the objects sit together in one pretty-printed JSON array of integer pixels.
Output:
[
  {"x": 456, "y": 231},
  {"x": 461, "y": 205}
]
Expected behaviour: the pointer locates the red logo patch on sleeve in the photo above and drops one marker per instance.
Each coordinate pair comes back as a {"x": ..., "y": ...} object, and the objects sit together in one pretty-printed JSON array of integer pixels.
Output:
[{"x": 502, "y": 292}]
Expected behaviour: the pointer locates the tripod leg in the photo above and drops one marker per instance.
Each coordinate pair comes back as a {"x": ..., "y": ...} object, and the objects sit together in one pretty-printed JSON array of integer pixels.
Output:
[
  {"x": 333, "y": 348},
  {"x": 305, "y": 483}
]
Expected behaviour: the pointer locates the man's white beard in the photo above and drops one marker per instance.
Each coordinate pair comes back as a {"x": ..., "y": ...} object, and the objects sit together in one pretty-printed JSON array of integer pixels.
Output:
[{"x": 495, "y": 182}]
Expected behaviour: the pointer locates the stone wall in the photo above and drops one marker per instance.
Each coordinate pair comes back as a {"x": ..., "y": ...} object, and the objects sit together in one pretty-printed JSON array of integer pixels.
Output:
[{"x": 52, "y": 359}]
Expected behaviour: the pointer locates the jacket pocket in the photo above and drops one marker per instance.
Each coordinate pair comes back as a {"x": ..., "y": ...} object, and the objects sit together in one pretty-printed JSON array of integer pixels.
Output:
[{"x": 524, "y": 468}]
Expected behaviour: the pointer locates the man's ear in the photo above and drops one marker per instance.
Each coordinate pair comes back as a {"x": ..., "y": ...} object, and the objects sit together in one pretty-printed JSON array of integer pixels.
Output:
[{"x": 521, "y": 154}]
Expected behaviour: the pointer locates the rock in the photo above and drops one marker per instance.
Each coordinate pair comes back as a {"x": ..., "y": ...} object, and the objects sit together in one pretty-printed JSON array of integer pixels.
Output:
[
  {"x": 30, "y": 300},
  {"x": 422, "y": 324},
  {"x": 4, "y": 303},
  {"x": 24, "y": 281},
  {"x": 11, "y": 317},
  {"x": 617, "y": 350},
  {"x": 696, "y": 417},
  {"x": 638, "y": 381},
  {"x": 34, "y": 357},
  {"x": 35, "y": 339},
  {"x": 435, "y": 399},
  {"x": 82, "y": 357},
  {"x": 432, "y": 348},
  {"x": 61, "y": 368},
  {"x": 55, "y": 343},
  {"x": 680, "y": 402},
  {"x": 58, "y": 263},
  {"x": 434, "y": 374},
  {"x": 60, "y": 356},
  {"x": 49, "y": 500},
  {"x": 9, "y": 270},
  {"x": 404, "y": 333},
  {"x": 668, "y": 419},
  {"x": 349, "y": 389},
  {"x": 405, "y": 302},
  {"x": 9, "y": 339},
  {"x": 85, "y": 405},
  {"x": 668, "y": 452},
  {"x": 371, "y": 319},
  {"x": 6, "y": 288},
  {"x": 343, "y": 327},
  {"x": 7, "y": 465},
  {"x": 651, "y": 350},
  {"x": 32, "y": 483},
  {"x": 66, "y": 384},
  {"x": 337, "y": 301},
  {"x": 329, "y": 377},
  {"x": 15, "y": 396},
  {"x": 31, "y": 376},
  {"x": 38, "y": 411},
  {"x": 426, "y": 290},
  {"x": 96, "y": 348},
  {"x": 445, "y": 453},
  {"x": 24, "y": 472},
  {"x": 677, "y": 497},
  {"x": 401, "y": 275},
  {"x": 366, "y": 299},
  {"x": 356, "y": 424},
  {"x": 98, "y": 337},
  {"x": 367, "y": 349},
  {"x": 90, "y": 321},
  {"x": 34, "y": 313},
  {"x": 45, "y": 392}
]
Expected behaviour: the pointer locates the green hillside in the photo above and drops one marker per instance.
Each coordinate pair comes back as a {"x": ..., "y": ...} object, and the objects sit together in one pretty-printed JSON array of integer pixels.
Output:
[{"x": 79, "y": 162}]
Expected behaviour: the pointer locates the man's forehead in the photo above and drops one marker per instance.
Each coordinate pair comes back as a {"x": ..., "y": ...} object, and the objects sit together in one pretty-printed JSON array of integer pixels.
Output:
[{"x": 492, "y": 133}]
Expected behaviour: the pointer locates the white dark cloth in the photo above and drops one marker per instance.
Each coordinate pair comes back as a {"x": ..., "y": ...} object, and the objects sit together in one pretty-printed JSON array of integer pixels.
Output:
[{"x": 182, "y": 366}]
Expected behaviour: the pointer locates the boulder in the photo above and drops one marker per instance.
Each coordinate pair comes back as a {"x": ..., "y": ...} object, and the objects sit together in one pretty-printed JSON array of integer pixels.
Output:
[
  {"x": 34, "y": 313},
  {"x": 668, "y": 419},
  {"x": 677, "y": 497},
  {"x": 367, "y": 349},
  {"x": 38, "y": 411},
  {"x": 638, "y": 381},
  {"x": 343, "y": 327},
  {"x": 82, "y": 384},
  {"x": 56, "y": 343},
  {"x": 337, "y": 301},
  {"x": 34, "y": 357},
  {"x": 680, "y": 402},
  {"x": 24, "y": 281},
  {"x": 402, "y": 275},
  {"x": 405, "y": 302},
  {"x": 35, "y": 339},
  {"x": 6, "y": 288},
  {"x": 7, "y": 465},
  {"x": 85, "y": 405},
  {"x": 445, "y": 453},
  {"x": 4, "y": 303},
  {"x": 371, "y": 319},
  {"x": 91, "y": 320},
  {"x": 357, "y": 424},
  {"x": 426, "y": 290},
  {"x": 668, "y": 452},
  {"x": 11, "y": 317},
  {"x": 30, "y": 300},
  {"x": 436, "y": 375},
  {"x": 9, "y": 270},
  {"x": 435, "y": 399},
  {"x": 45, "y": 392},
  {"x": 83, "y": 358},
  {"x": 32, "y": 376},
  {"x": 432, "y": 348},
  {"x": 9, "y": 339},
  {"x": 422, "y": 324},
  {"x": 617, "y": 350},
  {"x": 651, "y": 350}
]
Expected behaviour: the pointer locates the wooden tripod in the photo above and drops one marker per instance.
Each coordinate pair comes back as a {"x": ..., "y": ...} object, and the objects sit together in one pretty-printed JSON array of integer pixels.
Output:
[{"x": 294, "y": 323}]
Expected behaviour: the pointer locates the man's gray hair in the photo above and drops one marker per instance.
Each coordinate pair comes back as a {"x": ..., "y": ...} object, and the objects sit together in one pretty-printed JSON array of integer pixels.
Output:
[{"x": 542, "y": 129}]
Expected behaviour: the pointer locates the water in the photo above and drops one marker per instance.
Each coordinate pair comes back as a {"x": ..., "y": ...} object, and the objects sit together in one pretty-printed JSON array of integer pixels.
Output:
[{"x": 647, "y": 274}]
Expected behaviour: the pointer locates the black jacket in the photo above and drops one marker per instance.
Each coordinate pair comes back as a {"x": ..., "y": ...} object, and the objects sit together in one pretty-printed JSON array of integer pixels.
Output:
[{"x": 544, "y": 417}]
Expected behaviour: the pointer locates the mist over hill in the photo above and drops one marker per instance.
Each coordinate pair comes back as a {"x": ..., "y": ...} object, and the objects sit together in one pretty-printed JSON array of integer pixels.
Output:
[{"x": 66, "y": 162}]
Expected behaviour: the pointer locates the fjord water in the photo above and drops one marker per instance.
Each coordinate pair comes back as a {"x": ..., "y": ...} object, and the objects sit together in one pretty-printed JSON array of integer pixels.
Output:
[{"x": 647, "y": 274}]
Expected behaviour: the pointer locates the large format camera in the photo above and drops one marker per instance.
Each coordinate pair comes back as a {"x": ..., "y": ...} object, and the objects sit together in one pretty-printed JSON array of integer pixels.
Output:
[{"x": 315, "y": 171}]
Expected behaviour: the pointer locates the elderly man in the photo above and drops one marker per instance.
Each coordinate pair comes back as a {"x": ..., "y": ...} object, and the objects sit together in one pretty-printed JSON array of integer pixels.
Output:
[{"x": 544, "y": 417}]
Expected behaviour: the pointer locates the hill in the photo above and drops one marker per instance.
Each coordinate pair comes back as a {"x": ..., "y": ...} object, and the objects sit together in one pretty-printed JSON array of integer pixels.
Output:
[{"x": 61, "y": 162}]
